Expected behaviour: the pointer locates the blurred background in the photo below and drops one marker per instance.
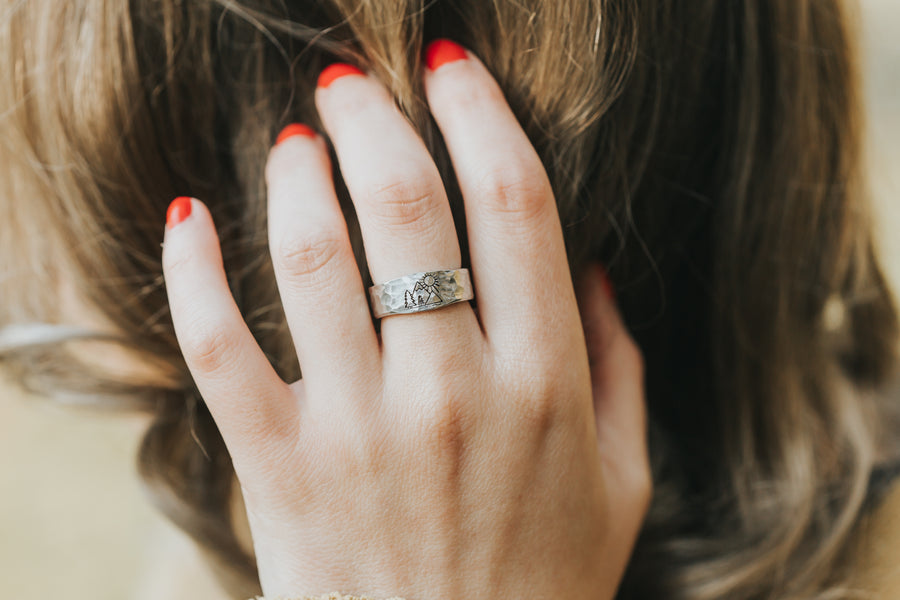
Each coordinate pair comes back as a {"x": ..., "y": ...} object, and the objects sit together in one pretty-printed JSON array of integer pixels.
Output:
[
  {"x": 881, "y": 56},
  {"x": 73, "y": 521}
]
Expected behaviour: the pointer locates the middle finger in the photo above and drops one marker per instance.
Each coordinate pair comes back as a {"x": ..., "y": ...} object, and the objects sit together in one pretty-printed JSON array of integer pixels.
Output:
[{"x": 404, "y": 214}]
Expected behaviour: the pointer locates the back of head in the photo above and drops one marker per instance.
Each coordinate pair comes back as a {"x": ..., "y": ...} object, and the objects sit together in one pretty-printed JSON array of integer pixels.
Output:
[{"x": 706, "y": 152}]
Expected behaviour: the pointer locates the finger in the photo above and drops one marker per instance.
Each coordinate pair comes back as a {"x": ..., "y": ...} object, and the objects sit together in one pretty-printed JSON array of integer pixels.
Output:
[
  {"x": 617, "y": 379},
  {"x": 318, "y": 279},
  {"x": 403, "y": 210},
  {"x": 519, "y": 263},
  {"x": 253, "y": 408}
]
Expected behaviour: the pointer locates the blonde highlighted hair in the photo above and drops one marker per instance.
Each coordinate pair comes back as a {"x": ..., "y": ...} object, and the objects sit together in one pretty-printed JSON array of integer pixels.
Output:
[{"x": 708, "y": 153}]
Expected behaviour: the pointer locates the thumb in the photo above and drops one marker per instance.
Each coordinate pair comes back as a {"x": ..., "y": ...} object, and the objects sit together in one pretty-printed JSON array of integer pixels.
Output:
[{"x": 617, "y": 380}]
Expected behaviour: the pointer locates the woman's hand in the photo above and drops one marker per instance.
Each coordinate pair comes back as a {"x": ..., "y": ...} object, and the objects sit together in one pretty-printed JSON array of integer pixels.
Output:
[{"x": 462, "y": 454}]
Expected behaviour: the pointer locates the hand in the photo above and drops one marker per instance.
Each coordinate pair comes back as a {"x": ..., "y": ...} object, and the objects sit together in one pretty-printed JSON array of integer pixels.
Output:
[{"x": 460, "y": 455}]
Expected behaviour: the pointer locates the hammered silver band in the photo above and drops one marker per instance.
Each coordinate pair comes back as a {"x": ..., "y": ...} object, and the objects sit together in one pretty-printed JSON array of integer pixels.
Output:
[{"x": 417, "y": 292}]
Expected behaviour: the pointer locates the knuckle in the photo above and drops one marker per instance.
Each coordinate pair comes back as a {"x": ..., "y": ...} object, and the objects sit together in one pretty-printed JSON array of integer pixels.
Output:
[
  {"x": 543, "y": 398},
  {"x": 446, "y": 417},
  {"x": 537, "y": 413},
  {"x": 305, "y": 255},
  {"x": 515, "y": 191},
  {"x": 445, "y": 426},
  {"x": 206, "y": 346},
  {"x": 404, "y": 203},
  {"x": 537, "y": 407}
]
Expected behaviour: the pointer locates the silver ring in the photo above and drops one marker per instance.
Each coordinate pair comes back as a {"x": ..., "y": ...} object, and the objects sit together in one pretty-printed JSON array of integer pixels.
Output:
[{"x": 417, "y": 292}]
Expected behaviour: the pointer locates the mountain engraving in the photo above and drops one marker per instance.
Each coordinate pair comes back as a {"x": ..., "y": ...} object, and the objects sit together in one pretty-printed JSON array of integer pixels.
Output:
[{"x": 424, "y": 293}]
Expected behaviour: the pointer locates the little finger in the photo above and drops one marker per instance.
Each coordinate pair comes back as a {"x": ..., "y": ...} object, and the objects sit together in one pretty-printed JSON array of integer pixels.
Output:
[{"x": 254, "y": 409}]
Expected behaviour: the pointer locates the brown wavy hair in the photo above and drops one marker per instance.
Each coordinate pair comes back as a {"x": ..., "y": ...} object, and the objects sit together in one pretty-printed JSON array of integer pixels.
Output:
[{"x": 708, "y": 153}]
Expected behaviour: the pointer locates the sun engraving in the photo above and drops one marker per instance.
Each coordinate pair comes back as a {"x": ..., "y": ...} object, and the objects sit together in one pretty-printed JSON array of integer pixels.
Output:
[{"x": 424, "y": 293}]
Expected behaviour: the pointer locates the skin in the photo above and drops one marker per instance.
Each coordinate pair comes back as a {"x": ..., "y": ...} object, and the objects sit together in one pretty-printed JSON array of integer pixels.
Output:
[{"x": 461, "y": 453}]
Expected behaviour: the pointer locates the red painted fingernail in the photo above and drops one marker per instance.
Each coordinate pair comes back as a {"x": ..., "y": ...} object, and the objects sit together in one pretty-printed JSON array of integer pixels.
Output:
[
  {"x": 441, "y": 52},
  {"x": 179, "y": 210},
  {"x": 608, "y": 288},
  {"x": 295, "y": 129},
  {"x": 336, "y": 71}
]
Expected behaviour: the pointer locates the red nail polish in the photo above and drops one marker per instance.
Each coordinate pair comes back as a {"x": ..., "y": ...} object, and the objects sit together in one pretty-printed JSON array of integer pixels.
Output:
[
  {"x": 608, "y": 288},
  {"x": 441, "y": 52},
  {"x": 179, "y": 210},
  {"x": 295, "y": 129},
  {"x": 336, "y": 71}
]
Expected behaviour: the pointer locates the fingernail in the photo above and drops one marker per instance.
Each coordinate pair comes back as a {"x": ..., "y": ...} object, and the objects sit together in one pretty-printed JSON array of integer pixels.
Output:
[
  {"x": 295, "y": 129},
  {"x": 179, "y": 210},
  {"x": 608, "y": 288},
  {"x": 441, "y": 52},
  {"x": 336, "y": 71}
]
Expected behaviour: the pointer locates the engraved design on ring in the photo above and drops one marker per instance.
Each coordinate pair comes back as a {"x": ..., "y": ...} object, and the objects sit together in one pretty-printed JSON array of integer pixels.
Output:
[{"x": 419, "y": 292}]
